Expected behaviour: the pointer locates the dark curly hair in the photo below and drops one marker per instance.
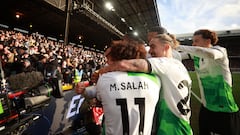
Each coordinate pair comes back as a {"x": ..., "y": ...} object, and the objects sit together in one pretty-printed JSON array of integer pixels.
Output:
[
  {"x": 122, "y": 51},
  {"x": 207, "y": 34}
]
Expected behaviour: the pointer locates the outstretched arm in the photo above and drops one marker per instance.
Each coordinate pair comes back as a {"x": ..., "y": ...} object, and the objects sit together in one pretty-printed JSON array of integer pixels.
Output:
[
  {"x": 201, "y": 51},
  {"x": 135, "y": 65}
]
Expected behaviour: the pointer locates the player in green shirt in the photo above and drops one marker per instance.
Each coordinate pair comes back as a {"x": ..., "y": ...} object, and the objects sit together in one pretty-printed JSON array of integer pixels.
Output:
[{"x": 219, "y": 113}]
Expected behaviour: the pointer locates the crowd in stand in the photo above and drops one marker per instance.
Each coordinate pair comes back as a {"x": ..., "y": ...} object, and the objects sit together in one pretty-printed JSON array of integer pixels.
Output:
[{"x": 33, "y": 52}]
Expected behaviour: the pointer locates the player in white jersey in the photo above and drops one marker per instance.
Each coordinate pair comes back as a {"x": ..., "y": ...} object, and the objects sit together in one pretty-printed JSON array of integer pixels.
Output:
[
  {"x": 174, "y": 113},
  {"x": 173, "y": 110},
  {"x": 219, "y": 113},
  {"x": 129, "y": 99},
  {"x": 154, "y": 31}
]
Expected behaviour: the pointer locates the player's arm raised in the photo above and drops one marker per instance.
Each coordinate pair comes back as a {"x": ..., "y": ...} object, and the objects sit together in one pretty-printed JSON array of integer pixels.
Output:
[
  {"x": 201, "y": 51},
  {"x": 135, "y": 65}
]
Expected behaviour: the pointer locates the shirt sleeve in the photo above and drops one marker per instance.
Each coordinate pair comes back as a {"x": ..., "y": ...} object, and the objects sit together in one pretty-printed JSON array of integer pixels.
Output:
[
  {"x": 149, "y": 67},
  {"x": 203, "y": 52},
  {"x": 157, "y": 65}
]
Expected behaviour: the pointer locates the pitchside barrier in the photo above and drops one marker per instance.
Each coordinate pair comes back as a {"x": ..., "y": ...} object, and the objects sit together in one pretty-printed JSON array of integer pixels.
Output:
[{"x": 58, "y": 116}]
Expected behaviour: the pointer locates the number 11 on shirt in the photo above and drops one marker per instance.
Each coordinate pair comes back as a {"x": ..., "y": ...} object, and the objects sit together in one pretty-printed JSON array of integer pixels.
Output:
[{"x": 124, "y": 111}]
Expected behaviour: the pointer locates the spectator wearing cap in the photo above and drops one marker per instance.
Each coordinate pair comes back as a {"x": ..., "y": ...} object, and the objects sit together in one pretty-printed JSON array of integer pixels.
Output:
[{"x": 27, "y": 66}]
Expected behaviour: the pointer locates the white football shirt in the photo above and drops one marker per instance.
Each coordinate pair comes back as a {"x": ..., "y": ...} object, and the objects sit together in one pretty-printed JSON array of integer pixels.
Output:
[
  {"x": 174, "y": 107},
  {"x": 214, "y": 76},
  {"x": 129, "y": 100}
]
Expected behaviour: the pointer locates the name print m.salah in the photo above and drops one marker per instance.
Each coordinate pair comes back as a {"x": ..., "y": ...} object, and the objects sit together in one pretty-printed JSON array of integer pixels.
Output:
[{"x": 129, "y": 86}]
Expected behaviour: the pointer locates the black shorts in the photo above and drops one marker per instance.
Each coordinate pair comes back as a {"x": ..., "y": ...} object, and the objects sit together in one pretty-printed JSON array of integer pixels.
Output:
[{"x": 221, "y": 123}]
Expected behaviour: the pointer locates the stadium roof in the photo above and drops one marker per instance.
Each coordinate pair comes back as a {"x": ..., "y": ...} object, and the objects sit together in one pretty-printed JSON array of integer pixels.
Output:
[{"x": 96, "y": 25}]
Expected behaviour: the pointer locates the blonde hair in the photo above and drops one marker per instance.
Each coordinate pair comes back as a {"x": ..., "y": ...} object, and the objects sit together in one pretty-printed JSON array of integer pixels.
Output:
[{"x": 168, "y": 39}]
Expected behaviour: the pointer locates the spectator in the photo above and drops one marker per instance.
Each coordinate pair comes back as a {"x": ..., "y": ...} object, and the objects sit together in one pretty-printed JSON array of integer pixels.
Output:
[
  {"x": 67, "y": 74},
  {"x": 27, "y": 66},
  {"x": 41, "y": 64},
  {"x": 17, "y": 46}
]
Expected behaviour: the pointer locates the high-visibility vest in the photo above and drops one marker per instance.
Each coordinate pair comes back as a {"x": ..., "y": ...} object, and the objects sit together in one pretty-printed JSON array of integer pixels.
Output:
[{"x": 77, "y": 75}]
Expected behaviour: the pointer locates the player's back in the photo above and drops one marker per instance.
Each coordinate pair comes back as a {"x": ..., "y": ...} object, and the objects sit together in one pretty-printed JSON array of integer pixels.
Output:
[{"x": 129, "y": 101}]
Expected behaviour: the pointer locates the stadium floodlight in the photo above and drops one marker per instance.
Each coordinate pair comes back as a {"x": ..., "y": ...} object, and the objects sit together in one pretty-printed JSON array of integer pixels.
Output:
[
  {"x": 123, "y": 20},
  {"x": 17, "y": 16},
  {"x": 109, "y": 6},
  {"x": 135, "y": 33}
]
